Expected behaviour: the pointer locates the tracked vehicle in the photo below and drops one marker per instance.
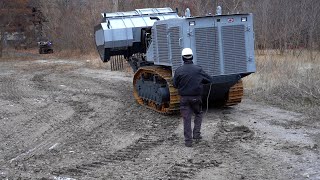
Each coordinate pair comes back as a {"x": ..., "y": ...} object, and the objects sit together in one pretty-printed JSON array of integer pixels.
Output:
[{"x": 151, "y": 40}]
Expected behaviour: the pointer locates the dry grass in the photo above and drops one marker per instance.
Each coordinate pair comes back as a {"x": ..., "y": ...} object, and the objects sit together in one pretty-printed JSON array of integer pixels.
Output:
[
  {"x": 92, "y": 59},
  {"x": 292, "y": 82},
  {"x": 9, "y": 54}
]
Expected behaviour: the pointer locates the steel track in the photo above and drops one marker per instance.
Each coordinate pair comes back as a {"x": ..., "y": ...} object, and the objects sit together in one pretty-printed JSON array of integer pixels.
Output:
[
  {"x": 234, "y": 95},
  {"x": 165, "y": 108}
]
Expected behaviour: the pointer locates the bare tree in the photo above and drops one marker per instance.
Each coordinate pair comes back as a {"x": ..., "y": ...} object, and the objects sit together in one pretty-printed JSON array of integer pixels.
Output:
[
  {"x": 313, "y": 20},
  {"x": 2, "y": 26},
  {"x": 279, "y": 24},
  {"x": 1, "y": 40},
  {"x": 232, "y": 6},
  {"x": 115, "y": 4},
  {"x": 5, "y": 20}
]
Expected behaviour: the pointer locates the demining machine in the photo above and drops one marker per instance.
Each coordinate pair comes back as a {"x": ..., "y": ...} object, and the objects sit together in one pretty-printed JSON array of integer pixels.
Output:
[{"x": 151, "y": 40}]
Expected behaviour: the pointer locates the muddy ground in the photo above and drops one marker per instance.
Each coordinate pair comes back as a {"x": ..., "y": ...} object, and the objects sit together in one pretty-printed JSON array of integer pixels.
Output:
[{"x": 66, "y": 119}]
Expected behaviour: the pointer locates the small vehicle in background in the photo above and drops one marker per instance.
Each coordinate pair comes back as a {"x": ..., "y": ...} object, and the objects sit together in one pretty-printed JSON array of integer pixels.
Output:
[{"x": 45, "y": 47}]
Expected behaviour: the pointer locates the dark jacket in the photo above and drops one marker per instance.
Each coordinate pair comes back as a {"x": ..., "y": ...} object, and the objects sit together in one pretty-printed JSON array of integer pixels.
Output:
[{"x": 188, "y": 79}]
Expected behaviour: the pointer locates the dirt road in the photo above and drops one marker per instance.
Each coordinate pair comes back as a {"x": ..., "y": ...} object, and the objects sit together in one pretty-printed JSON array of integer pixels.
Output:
[{"x": 64, "y": 119}]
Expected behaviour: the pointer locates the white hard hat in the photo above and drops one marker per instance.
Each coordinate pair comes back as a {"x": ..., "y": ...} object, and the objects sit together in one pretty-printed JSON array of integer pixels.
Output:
[{"x": 187, "y": 53}]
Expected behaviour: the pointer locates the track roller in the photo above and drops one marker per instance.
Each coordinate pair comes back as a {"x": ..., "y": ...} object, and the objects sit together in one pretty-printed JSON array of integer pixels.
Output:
[
  {"x": 235, "y": 94},
  {"x": 153, "y": 88}
]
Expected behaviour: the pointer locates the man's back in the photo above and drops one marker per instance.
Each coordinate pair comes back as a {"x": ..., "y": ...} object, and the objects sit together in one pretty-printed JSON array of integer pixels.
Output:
[{"x": 188, "y": 79}]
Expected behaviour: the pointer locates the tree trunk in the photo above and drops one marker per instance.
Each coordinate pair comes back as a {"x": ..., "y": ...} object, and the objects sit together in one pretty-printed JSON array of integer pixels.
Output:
[
  {"x": 1, "y": 40},
  {"x": 115, "y": 4}
]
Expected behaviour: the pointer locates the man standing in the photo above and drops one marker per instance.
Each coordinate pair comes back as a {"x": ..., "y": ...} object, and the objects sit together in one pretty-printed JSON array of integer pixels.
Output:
[{"x": 188, "y": 79}]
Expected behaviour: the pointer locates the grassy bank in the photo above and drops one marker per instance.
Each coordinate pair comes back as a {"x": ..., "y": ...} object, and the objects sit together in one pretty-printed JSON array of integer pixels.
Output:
[
  {"x": 92, "y": 58},
  {"x": 289, "y": 81}
]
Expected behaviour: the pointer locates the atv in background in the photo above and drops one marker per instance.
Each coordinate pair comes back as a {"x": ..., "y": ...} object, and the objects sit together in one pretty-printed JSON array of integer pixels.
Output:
[{"x": 45, "y": 47}]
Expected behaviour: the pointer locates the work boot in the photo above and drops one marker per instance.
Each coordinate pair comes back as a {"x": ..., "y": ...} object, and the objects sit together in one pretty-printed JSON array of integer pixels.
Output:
[
  {"x": 188, "y": 144},
  {"x": 197, "y": 139}
]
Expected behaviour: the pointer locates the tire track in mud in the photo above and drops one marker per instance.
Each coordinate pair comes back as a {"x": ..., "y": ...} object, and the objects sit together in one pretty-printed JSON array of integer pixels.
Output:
[
  {"x": 188, "y": 169},
  {"x": 129, "y": 153},
  {"x": 59, "y": 130},
  {"x": 40, "y": 83},
  {"x": 151, "y": 139},
  {"x": 66, "y": 128},
  {"x": 14, "y": 92},
  {"x": 10, "y": 91}
]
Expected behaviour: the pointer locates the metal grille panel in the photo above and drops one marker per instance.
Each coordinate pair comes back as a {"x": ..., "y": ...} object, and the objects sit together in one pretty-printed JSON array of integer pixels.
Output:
[
  {"x": 155, "y": 46},
  {"x": 207, "y": 49},
  {"x": 175, "y": 47},
  {"x": 234, "y": 49},
  {"x": 162, "y": 44}
]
